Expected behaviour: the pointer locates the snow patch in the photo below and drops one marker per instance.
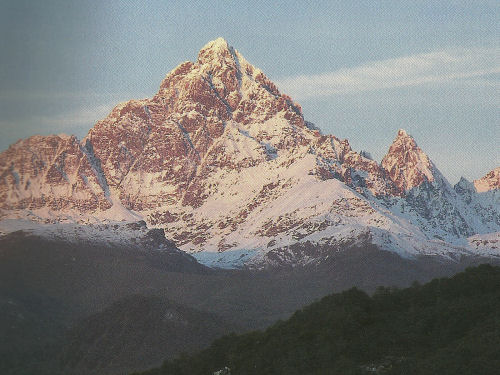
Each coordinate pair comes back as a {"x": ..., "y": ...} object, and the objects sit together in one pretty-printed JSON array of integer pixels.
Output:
[{"x": 230, "y": 259}]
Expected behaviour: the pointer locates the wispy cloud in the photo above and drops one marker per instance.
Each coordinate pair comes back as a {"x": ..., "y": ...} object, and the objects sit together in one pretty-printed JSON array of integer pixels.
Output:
[{"x": 435, "y": 67}]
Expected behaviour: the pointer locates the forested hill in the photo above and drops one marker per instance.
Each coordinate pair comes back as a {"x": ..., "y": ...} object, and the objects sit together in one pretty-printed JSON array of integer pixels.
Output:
[{"x": 447, "y": 326}]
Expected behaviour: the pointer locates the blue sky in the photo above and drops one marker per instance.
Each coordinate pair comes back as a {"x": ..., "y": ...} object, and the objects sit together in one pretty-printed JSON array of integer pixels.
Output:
[{"x": 360, "y": 69}]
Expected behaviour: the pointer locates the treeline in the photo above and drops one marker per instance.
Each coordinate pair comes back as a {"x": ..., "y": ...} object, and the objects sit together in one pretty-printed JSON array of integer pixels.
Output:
[{"x": 447, "y": 326}]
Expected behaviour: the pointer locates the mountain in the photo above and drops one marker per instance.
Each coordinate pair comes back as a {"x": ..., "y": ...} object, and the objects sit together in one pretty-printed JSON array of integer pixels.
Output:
[
  {"x": 134, "y": 332},
  {"x": 491, "y": 181},
  {"x": 407, "y": 166},
  {"x": 430, "y": 202},
  {"x": 53, "y": 173},
  {"x": 73, "y": 302},
  {"x": 227, "y": 165},
  {"x": 447, "y": 326},
  {"x": 52, "y": 276}
]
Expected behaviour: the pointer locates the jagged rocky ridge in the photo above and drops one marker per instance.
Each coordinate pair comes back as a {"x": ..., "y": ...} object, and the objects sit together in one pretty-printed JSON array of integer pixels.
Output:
[
  {"x": 225, "y": 163},
  {"x": 489, "y": 182}
]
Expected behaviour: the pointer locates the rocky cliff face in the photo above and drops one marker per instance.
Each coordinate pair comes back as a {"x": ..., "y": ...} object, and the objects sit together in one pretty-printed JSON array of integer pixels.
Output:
[
  {"x": 222, "y": 160},
  {"x": 429, "y": 201},
  {"x": 169, "y": 144},
  {"x": 407, "y": 165},
  {"x": 54, "y": 172}
]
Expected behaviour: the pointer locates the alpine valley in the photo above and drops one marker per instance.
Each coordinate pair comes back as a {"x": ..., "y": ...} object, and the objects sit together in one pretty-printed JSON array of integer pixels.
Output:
[{"x": 213, "y": 200}]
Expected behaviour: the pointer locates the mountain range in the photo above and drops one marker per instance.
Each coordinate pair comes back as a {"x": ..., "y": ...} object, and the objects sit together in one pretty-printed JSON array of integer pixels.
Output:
[
  {"x": 212, "y": 207},
  {"x": 227, "y": 165}
]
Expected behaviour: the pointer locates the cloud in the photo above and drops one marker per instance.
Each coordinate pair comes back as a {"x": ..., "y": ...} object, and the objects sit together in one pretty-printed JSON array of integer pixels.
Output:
[{"x": 436, "y": 67}]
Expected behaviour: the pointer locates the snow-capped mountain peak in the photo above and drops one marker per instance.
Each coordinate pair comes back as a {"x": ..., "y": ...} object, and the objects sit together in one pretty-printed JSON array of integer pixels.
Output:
[
  {"x": 216, "y": 50},
  {"x": 225, "y": 163}
]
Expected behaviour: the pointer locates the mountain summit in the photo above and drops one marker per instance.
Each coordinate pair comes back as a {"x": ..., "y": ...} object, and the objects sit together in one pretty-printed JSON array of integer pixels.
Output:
[
  {"x": 227, "y": 165},
  {"x": 174, "y": 138}
]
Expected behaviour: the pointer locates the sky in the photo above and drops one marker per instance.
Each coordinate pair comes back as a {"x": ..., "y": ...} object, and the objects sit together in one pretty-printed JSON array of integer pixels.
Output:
[{"x": 361, "y": 69}]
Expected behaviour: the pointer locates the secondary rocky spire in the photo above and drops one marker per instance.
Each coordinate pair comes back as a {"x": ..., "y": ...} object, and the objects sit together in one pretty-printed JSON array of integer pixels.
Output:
[{"x": 406, "y": 164}]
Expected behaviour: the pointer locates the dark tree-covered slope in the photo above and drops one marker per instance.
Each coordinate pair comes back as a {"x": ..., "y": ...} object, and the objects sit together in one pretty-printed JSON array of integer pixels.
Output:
[
  {"x": 447, "y": 326},
  {"x": 134, "y": 332}
]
